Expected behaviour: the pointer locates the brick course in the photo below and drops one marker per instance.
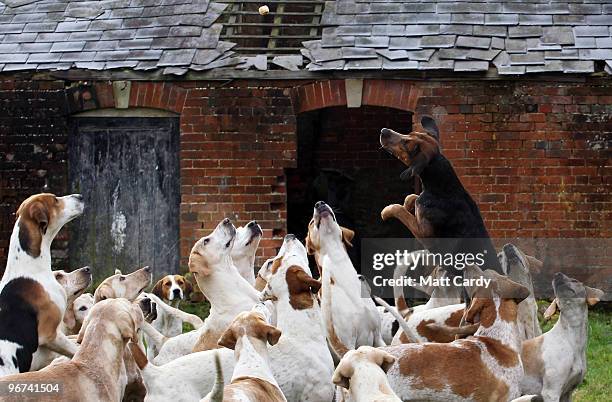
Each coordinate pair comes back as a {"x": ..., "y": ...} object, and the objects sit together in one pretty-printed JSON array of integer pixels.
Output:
[{"x": 534, "y": 154}]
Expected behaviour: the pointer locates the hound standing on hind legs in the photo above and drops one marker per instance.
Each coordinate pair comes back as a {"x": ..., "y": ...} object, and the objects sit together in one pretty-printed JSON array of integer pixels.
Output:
[{"x": 32, "y": 302}]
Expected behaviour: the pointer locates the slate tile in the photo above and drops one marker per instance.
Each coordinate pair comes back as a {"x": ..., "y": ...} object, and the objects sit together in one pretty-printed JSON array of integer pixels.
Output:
[
  {"x": 339, "y": 41},
  {"x": 575, "y": 66},
  {"x": 490, "y": 30},
  {"x": 393, "y": 54},
  {"x": 77, "y": 56},
  {"x": 86, "y": 36},
  {"x": 13, "y": 58},
  {"x": 327, "y": 66},
  {"x": 86, "y": 9},
  {"x": 205, "y": 56},
  {"x": 453, "y": 53},
  {"x": 498, "y": 43},
  {"x": 422, "y": 30},
  {"x": 26, "y": 18},
  {"x": 525, "y": 31},
  {"x": 559, "y": 35},
  {"x": 135, "y": 43},
  {"x": 599, "y": 19},
  {"x": 400, "y": 65},
  {"x": 552, "y": 8},
  {"x": 528, "y": 58},
  {"x": 52, "y": 37},
  {"x": 595, "y": 54},
  {"x": 183, "y": 31},
  {"x": 520, "y": 8},
  {"x": 289, "y": 62},
  {"x": 121, "y": 64},
  {"x": 101, "y": 45},
  {"x": 156, "y": 32},
  {"x": 44, "y": 57},
  {"x": 569, "y": 19},
  {"x": 175, "y": 71},
  {"x": 358, "y": 53},
  {"x": 550, "y": 66},
  {"x": 93, "y": 65},
  {"x": 525, "y": 19},
  {"x": 127, "y": 12},
  {"x": 435, "y": 63},
  {"x": 592, "y": 31},
  {"x": 456, "y": 29},
  {"x": 585, "y": 8},
  {"x": 421, "y": 55},
  {"x": 34, "y": 47},
  {"x": 104, "y": 25},
  {"x": 68, "y": 46},
  {"x": 20, "y": 38},
  {"x": 480, "y": 54},
  {"x": 511, "y": 70},
  {"x": 51, "y": 7},
  {"x": 167, "y": 43},
  {"x": 372, "y": 41},
  {"x": 384, "y": 8},
  {"x": 516, "y": 45},
  {"x": 226, "y": 62},
  {"x": 322, "y": 54},
  {"x": 407, "y": 43},
  {"x": 357, "y": 30},
  {"x": 473, "y": 41},
  {"x": 181, "y": 57},
  {"x": 475, "y": 19},
  {"x": 20, "y": 67},
  {"x": 145, "y": 54},
  {"x": 604, "y": 42},
  {"x": 585, "y": 42},
  {"x": 367, "y": 64},
  {"x": 502, "y": 59},
  {"x": 11, "y": 28},
  {"x": 464, "y": 66},
  {"x": 501, "y": 19},
  {"x": 388, "y": 30},
  {"x": 146, "y": 65},
  {"x": 8, "y": 47},
  {"x": 72, "y": 26},
  {"x": 567, "y": 54},
  {"x": 468, "y": 7},
  {"x": 439, "y": 41},
  {"x": 118, "y": 34},
  {"x": 111, "y": 55}
]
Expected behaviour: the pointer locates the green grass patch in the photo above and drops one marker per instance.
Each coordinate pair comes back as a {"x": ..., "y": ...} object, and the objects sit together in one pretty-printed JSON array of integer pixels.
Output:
[
  {"x": 199, "y": 309},
  {"x": 598, "y": 381}
]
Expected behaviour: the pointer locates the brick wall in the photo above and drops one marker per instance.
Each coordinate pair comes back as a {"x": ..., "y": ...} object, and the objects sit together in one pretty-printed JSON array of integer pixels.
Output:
[
  {"x": 534, "y": 154},
  {"x": 32, "y": 151}
]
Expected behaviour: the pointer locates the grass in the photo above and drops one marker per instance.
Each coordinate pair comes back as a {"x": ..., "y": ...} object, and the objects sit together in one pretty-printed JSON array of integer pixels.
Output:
[{"x": 598, "y": 381}]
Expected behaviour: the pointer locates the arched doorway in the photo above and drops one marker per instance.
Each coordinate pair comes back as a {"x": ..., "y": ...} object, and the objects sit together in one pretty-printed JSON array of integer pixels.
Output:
[{"x": 339, "y": 161}]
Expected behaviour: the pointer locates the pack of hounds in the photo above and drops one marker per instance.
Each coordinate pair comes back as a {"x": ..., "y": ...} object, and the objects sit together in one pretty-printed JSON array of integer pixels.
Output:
[{"x": 282, "y": 335}]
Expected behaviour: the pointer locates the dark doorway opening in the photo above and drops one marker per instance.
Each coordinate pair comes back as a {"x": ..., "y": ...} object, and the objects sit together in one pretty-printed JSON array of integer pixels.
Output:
[
  {"x": 127, "y": 169},
  {"x": 340, "y": 162}
]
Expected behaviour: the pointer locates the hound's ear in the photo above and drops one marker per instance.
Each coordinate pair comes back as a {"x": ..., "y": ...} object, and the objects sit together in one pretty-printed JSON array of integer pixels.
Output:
[
  {"x": 118, "y": 272},
  {"x": 103, "y": 292},
  {"x": 157, "y": 289},
  {"x": 309, "y": 248},
  {"x": 593, "y": 295},
  {"x": 343, "y": 374},
  {"x": 228, "y": 339},
  {"x": 384, "y": 360},
  {"x": 475, "y": 306},
  {"x": 430, "y": 127},
  {"x": 347, "y": 236},
  {"x": 551, "y": 310},
  {"x": 273, "y": 335},
  {"x": 535, "y": 265},
  {"x": 40, "y": 215},
  {"x": 69, "y": 318},
  {"x": 304, "y": 281},
  {"x": 188, "y": 288},
  {"x": 197, "y": 264}
]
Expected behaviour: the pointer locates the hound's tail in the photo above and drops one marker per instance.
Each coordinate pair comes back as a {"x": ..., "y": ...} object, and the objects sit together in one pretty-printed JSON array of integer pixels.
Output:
[
  {"x": 216, "y": 394},
  {"x": 400, "y": 320},
  {"x": 336, "y": 343}
]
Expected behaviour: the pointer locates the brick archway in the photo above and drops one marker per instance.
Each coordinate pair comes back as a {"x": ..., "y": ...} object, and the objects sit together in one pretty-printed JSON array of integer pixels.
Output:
[
  {"x": 155, "y": 95},
  {"x": 402, "y": 95}
]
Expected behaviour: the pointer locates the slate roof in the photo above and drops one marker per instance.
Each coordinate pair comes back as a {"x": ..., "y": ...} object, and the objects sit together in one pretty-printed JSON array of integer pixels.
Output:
[{"x": 514, "y": 37}]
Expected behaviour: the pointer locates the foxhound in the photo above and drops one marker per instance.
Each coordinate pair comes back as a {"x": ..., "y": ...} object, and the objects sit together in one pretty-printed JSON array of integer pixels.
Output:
[{"x": 32, "y": 302}]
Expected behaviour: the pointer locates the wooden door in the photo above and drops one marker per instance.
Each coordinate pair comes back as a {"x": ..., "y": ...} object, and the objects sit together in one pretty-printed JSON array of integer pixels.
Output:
[{"x": 127, "y": 169}]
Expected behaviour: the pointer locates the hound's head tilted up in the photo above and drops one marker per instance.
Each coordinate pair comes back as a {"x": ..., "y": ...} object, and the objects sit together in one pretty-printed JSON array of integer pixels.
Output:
[
  {"x": 572, "y": 297},
  {"x": 213, "y": 250},
  {"x": 126, "y": 286},
  {"x": 41, "y": 216},
  {"x": 324, "y": 232}
]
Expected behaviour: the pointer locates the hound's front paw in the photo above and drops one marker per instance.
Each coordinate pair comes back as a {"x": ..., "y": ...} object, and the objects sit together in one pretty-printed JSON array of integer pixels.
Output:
[
  {"x": 409, "y": 202},
  {"x": 390, "y": 211}
]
